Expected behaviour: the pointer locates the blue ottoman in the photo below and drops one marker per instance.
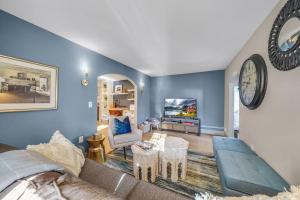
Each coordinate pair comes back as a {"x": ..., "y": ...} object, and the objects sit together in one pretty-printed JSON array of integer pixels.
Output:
[
  {"x": 249, "y": 174},
  {"x": 231, "y": 144}
]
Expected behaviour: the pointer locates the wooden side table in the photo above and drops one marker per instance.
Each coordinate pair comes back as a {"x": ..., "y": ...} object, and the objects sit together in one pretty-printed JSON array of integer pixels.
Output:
[{"x": 96, "y": 149}]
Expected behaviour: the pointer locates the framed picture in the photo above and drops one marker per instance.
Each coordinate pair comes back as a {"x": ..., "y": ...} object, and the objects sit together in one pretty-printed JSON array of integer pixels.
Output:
[
  {"x": 118, "y": 88},
  {"x": 27, "y": 86}
]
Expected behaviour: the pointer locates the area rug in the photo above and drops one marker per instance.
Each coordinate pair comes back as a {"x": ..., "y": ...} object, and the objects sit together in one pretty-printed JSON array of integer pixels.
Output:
[{"x": 202, "y": 175}]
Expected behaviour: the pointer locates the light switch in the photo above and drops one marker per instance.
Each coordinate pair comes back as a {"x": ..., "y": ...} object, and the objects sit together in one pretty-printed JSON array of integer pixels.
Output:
[
  {"x": 80, "y": 139},
  {"x": 90, "y": 104}
]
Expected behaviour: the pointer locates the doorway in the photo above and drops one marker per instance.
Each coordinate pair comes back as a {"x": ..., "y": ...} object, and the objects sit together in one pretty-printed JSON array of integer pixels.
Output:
[
  {"x": 117, "y": 96},
  {"x": 233, "y": 107},
  {"x": 236, "y": 111}
]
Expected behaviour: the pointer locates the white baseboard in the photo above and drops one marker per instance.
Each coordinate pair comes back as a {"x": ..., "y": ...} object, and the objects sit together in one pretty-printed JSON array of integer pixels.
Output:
[{"x": 212, "y": 130}]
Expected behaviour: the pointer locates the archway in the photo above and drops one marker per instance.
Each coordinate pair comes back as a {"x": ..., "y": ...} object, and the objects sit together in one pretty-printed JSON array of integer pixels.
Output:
[{"x": 117, "y": 95}]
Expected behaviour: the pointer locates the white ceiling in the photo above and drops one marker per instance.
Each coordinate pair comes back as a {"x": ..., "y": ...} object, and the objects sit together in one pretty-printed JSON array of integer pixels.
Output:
[{"x": 157, "y": 37}]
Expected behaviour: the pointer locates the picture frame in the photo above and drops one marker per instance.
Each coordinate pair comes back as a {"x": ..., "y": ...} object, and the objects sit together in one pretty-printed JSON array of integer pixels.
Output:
[
  {"x": 27, "y": 85},
  {"x": 118, "y": 89}
]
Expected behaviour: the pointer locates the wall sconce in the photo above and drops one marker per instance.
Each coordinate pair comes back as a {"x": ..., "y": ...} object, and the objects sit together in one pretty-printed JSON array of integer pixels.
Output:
[
  {"x": 85, "y": 81},
  {"x": 142, "y": 86}
]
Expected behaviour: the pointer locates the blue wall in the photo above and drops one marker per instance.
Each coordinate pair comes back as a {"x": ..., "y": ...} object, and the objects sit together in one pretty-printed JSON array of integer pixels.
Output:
[
  {"x": 73, "y": 117},
  {"x": 206, "y": 87}
]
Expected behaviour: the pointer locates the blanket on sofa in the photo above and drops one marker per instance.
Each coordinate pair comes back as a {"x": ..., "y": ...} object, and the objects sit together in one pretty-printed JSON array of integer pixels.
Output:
[
  {"x": 31, "y": 176},
  {"x": 18, "y": 164},
  {"x": 54, "y": 186},
  {"x": 293, "y": 194}
]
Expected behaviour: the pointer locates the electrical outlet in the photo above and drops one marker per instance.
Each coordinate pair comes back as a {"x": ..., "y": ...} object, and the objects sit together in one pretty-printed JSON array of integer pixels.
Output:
[
  {"x": 90, "y": 104},
  {"x": 80, "y": 139}
]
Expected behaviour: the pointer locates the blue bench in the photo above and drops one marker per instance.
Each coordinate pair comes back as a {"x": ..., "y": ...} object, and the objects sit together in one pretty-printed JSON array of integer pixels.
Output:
[{"x": 243, "y": 172}]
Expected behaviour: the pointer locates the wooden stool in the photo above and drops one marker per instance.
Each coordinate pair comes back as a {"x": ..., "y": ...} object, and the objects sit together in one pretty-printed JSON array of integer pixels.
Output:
[{"x": 96, "y": 149}]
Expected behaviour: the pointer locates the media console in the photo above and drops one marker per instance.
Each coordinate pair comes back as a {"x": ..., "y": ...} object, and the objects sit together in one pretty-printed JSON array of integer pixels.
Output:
[{"x": 186, "y": 125}]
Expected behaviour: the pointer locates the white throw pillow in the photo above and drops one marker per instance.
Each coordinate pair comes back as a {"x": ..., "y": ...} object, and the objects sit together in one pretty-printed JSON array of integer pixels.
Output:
[{"x": 62, "y": 151}]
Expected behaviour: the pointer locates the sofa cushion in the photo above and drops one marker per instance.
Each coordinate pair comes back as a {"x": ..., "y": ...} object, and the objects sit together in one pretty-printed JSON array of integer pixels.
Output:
[
  {"x": 249, "y": 174},
  {"x": 124, "y": 185},
  {"x": 5, "y": 148},
  {"x": 125, "y": 138},
  {"x": 231, "y": 144},
  {"x": 148, "y": 191},
  {"x": 111, "y": 180}
]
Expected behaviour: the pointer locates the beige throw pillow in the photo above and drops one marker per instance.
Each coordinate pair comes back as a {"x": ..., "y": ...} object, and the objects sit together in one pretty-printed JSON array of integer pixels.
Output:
[{"x": 63, "y": 152}]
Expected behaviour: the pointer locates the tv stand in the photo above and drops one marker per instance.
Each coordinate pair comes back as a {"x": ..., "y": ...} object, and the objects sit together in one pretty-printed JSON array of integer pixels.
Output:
[{"x": 186, "y": 125}]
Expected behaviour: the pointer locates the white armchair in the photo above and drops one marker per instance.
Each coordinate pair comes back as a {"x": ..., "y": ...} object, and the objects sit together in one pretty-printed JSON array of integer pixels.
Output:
[{"x": 124, "y": 140}]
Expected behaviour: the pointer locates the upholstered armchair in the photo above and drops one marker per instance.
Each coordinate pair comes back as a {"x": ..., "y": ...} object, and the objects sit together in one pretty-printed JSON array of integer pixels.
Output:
[{"x": 124, "y": 140}]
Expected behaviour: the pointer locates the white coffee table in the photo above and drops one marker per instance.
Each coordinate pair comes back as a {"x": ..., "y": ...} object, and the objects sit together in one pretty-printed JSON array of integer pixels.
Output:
[
  {"x": 144, "y": 160},
  {"x": 174, "y": 151}
]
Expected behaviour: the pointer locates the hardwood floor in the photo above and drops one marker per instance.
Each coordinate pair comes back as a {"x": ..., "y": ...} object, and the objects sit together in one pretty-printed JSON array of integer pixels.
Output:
[{"x": 104, "y": 131}]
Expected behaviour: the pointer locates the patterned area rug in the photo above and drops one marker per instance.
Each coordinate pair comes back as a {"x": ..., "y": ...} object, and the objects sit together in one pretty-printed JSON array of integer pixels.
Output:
[{"x": 202, "y": 175}]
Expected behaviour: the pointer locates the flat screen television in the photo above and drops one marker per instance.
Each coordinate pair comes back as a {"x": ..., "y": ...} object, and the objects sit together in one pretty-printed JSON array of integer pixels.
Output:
[{"x": 186, "y": 108}]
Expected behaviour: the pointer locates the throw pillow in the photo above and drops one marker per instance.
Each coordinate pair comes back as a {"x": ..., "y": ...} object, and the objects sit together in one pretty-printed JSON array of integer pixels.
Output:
[
  {"x": 122, "y": 127},
  {"x": 61, "y": 151}
]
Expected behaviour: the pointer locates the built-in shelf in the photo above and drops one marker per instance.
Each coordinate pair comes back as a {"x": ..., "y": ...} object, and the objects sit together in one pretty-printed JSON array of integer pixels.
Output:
[
  {"x": 117, "y": 94},
  {"x": 130, "y": 99}
]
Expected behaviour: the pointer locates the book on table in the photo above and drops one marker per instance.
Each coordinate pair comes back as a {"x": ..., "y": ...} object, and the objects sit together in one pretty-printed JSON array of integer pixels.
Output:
[{"x": 145, "y": 145}]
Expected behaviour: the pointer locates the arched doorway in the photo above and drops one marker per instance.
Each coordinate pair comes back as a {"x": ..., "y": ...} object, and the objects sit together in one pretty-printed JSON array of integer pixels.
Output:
[{"x": 117, "y": 95}]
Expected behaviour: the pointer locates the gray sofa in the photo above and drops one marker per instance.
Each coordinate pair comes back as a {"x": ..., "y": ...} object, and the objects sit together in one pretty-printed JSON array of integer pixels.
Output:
[
  {"x": 242, "y": 171},
  {"x": 118, "y": 183},
  {"x": 124, "y": 185}
]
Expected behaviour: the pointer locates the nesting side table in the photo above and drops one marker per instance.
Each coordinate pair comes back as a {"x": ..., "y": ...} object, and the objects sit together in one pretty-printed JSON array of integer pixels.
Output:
[
  {"x": 144, "y": 160},
  {"x": 175, "y": 153}
]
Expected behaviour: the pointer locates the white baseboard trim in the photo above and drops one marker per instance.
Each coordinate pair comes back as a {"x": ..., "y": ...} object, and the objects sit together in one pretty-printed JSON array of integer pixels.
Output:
[{"x": 214, "y": 130}]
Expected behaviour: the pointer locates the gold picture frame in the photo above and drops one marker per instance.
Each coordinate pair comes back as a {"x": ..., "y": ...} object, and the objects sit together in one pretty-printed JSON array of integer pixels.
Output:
[{"x": 27, "y": 85}]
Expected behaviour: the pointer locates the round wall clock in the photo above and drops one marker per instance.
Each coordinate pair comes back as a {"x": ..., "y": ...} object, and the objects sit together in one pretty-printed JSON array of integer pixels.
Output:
[{"x": 253, "y": 81}]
